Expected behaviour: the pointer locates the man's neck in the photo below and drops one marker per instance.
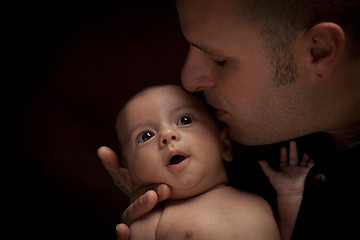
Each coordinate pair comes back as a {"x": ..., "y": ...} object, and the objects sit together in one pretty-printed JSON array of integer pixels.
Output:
[{"x": 343, "y": 137}]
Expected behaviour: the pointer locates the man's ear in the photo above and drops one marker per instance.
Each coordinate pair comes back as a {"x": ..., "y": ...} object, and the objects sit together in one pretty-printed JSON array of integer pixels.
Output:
[
  {"x": 326, "y": 42},
  {"x": 227, "y": 145}
]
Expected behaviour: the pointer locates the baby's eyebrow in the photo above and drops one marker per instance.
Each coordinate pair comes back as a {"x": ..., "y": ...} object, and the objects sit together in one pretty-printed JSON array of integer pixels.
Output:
[
  {"x": 139, "y": 127},
  {"x": 184, "y": 109},
  {"x": 132, "y": 130}
]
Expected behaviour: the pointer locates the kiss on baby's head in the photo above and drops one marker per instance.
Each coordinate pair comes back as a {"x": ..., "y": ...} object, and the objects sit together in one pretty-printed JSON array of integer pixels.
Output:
[{"x": 166, "y": 135}]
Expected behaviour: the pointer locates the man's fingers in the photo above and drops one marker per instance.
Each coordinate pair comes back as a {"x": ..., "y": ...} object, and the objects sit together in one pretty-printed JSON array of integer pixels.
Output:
[
  {"x": 140, "y": 207},
  {"x": 163, "y": 191},
  {"x": 120, "y": 175},
  {"x": 122, "y": 232},
  {"x": 109, "y": 158}
]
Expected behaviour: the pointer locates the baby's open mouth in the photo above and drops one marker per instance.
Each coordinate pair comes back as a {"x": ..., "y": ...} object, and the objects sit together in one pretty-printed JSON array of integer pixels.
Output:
[{"x": 176, "y": 159}]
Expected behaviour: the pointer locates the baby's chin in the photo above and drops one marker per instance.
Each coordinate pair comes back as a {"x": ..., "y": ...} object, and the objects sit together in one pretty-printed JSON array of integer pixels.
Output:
[{"x": 177, "y": 194}]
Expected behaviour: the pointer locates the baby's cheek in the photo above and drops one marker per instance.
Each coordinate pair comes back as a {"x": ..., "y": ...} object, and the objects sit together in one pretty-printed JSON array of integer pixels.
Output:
[{"x": 144, "y": 176}]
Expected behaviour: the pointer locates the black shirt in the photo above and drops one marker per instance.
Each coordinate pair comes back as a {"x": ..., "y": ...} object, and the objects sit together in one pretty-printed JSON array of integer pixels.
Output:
[
  {"x": 330, "y": 207},
  {"x": 330, "y": 204}
]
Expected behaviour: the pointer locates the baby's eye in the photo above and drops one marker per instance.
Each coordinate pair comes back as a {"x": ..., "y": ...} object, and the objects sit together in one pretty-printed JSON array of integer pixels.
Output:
[
  {"x": 145, "y": 136},
  {"x": 184, "y": 120}
]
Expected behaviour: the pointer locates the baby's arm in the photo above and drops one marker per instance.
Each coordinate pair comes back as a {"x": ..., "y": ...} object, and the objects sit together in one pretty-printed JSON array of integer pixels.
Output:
[
  {"x": 146, "y": 226},
  {"x": 289, "y": 184}
]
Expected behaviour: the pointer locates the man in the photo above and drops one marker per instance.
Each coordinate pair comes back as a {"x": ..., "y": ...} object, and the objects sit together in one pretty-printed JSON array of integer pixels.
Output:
[{"x": 274, "y": 71}]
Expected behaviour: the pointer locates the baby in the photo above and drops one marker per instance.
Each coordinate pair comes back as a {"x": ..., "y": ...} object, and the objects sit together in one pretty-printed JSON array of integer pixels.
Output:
[{"x": 166, "y": 135}]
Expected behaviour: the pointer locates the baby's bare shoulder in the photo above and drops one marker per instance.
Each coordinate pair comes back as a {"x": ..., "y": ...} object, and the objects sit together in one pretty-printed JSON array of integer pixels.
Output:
[
  {"x": 235, "y": 195},
  {"x": 246, "y": 215},
  {"x": 224, "y": 213},
  {"x": 233, "y": 200}
]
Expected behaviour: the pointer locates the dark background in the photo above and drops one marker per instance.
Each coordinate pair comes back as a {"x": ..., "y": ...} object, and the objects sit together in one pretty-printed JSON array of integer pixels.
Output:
[{"x": 73, "y": 66}]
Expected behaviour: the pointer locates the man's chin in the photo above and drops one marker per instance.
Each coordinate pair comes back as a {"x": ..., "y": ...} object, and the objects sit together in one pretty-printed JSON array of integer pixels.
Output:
[{"x": 249, "y": 139}]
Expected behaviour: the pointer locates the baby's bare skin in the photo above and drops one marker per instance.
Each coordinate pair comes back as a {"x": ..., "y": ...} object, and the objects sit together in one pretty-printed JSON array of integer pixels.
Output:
[{"x": 202, "y": 216}]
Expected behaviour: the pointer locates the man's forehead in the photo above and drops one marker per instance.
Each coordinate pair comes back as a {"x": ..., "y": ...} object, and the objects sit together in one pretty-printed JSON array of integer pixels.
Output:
[{"x": 208, "y": 25}]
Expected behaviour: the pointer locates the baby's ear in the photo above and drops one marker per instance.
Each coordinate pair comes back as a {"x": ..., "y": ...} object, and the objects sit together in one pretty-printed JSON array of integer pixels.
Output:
[{"x": 227, "y": 145}]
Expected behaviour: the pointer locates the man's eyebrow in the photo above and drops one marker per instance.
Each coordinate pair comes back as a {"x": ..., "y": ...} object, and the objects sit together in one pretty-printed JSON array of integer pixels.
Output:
[
  {"x": 198, "y": 47},
  {"x": 206, "y": 50}
]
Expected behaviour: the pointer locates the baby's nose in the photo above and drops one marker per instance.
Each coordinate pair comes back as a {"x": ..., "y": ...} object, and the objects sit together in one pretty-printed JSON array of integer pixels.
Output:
[
  {"x": 168, "y": 135},
  {"x": 164, "y": 141}
]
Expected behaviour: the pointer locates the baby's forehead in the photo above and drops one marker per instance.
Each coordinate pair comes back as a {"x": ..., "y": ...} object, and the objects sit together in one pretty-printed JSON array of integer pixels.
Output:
[
  {"x": 161, "y": 90},
  {"x": 163, "y": 95},
  {"x": 160, "y": 99}
]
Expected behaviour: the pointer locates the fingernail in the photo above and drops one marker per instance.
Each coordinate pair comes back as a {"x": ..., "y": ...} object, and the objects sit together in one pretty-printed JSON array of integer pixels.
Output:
[
  {"x": 118, "y": 228},
  {"x": 144, "y": 198}
]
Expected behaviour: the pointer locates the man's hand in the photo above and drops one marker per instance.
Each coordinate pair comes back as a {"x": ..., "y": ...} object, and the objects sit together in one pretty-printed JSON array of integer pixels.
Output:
[
  {"x": 290, "y": 179},
  {"x": 118, "y": 173},
  {"x": 142, "y": 200},
  {"x": 140, "y": 207},
  {"x": 122, "y": 232},
  {"x": 145, "y": 202}
]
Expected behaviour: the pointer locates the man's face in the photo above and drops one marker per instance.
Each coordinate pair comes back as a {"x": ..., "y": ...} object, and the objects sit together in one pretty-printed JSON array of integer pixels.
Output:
[{"x": 227, "y": 61}]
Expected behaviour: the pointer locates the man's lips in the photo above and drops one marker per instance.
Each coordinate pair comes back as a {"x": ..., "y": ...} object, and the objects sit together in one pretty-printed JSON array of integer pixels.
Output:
[{"x": 218, "y": 112}]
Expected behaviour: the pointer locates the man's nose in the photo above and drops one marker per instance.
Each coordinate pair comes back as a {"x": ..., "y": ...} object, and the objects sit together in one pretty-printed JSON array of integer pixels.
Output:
[
  {"x": 197, "y": 74},
  {"x": 169, "y": 135}
]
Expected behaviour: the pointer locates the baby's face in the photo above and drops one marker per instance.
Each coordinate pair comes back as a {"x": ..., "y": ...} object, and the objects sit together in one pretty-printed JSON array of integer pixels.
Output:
[{"x": 167, "y": 136}]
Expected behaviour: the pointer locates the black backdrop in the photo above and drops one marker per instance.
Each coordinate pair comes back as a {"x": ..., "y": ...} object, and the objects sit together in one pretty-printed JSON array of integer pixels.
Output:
[{"x": 73, "y": 65}]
